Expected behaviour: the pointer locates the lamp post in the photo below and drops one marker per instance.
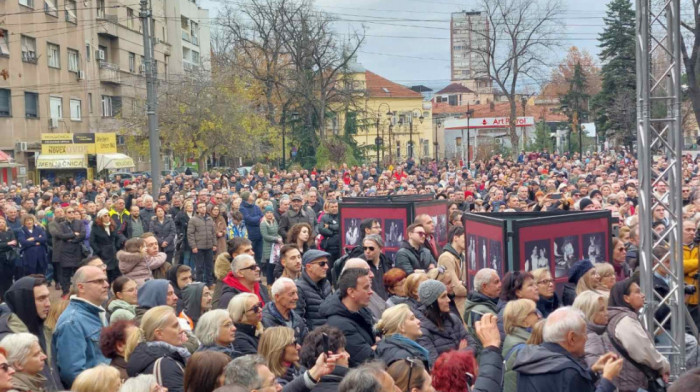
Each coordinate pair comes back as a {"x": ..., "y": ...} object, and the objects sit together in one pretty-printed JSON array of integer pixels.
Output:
[
  {"x": 436, "y": 145},
  {"x": 295, "y": 117},
  {"x": 410, "y": 123},
  {"x": 379, "y": 141},
  {"x": 470, "y": 112}
]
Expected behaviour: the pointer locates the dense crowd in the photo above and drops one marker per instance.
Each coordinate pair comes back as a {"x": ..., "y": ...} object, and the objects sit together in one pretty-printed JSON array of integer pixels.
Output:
[{"x": 235, "y": 282}]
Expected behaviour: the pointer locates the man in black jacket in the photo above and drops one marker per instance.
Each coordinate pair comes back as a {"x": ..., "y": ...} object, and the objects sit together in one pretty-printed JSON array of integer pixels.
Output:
[
  {"x": 281, "y": 312},
  {"x": 71, "y": 235},
  {"x": 347, "y": 310},
  {"x": 313, "y": 287}
]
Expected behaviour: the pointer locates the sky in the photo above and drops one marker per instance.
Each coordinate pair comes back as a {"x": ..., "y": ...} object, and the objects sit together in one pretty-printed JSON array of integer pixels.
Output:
[{"x": 408, "y": 41}]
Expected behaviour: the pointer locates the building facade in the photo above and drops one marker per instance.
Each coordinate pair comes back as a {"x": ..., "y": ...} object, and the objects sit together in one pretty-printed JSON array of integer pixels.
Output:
[
  {"x": 469, "y": 32},
  {"x": 70, "y": 66}
]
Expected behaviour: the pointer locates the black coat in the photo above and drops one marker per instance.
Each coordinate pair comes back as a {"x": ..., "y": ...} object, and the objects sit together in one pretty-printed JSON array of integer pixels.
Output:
[
  {"x": 311, "y": 296},
  {"x": 568, "y": 294},
  {"x": 172, "y": 367},
  {"x": 438, "y": 341},
  {"x": 329, "y": 227},
  {"x": 330, "y": 383},
  {"x": 273, "y": 318},
  {"x": 165, "y": 232},
  {"x": 105, "y": 245},
  {"x": 356, "y": 326},
  {"x": 490, "y": 371},
  {"x": 245, "y": 342},
  {"x": 390, "y": 350},
  {"x": 70, "y": 252},
  {"x": 181, "y": 222}
]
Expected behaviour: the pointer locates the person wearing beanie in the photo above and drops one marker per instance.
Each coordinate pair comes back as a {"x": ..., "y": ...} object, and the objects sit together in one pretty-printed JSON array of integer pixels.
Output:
[
  {"x": 586, "y": 204},
  {"x": 576, "y": 272},
  {"x": 442, "y": 330}
]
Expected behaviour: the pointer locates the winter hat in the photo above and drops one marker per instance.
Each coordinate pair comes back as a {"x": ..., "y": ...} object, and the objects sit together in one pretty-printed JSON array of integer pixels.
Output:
[
  {"x": 429, "y": 291},
  {"x": 313, "y": 255},
  {"x": 583, "y": 203},
  {"x": 245, "y": 195},
  {"x": 578, "y": 270},
  {"x": 594, "y": 193},
  {"x": 269, "y": 209}
]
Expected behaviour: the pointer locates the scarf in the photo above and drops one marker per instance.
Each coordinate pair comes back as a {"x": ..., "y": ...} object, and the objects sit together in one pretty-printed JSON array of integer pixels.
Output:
[
  {"x": 408, "y": 342},
  {"x": 178, "y": 349}
]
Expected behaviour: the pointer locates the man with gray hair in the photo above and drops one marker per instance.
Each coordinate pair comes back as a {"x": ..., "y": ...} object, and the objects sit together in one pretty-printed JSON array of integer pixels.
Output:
[
  {"x": 243, "y": 278},
  {"x": 251, "y": 372},
  {"x": 555, "y": 365},
  {"x": 483, "y": 300},
  {"x": 281, "y": 311},
  {"x": 372, "y": 245},
  {"x": 370, "y": 377}
]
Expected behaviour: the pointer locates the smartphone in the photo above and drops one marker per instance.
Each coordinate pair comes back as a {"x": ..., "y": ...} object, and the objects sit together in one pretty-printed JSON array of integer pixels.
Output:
[
  {"x": 476, "y": 316},
  {"x": 326, "y": 343}
]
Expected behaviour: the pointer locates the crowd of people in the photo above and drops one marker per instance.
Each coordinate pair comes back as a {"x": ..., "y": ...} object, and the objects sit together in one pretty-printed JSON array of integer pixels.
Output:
[{"x": 240, "y": 283}]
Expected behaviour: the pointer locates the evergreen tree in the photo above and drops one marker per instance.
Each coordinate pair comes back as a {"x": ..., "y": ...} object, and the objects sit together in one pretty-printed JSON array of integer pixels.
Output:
[
  {"x": 543, "y": 138},
  {"x": 575, "y": 105},
  {"x": 614, "y": 105}
]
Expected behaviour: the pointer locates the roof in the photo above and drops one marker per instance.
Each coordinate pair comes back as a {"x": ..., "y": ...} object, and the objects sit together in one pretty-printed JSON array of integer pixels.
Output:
[
  {"x": 500, "y": 109},
  {"x": 379, "y": 87},
  {"x": 4, "y": 157},
  {"x": 455, "y": 88}
]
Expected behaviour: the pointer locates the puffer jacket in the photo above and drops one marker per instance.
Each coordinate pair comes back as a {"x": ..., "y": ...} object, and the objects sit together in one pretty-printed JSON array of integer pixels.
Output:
[
  {"x": 409, "y": 259},
  {"x": 437, "y": 340},
  {"x": 356, "y": 326},
  {"x": 273, "y": 318},
  {"x": 329, "y": 227},
  {"x": 201, "y": 232},
  {"x": 490, "y": 370},
  {"x": 597, "y": 344},
  {"x": 251, "y": 216},
  {"x": 480, "y": 303},
  {"x": 390, "y": 349},
  {"x": 165, "y": 232},
  {"x": 690, "y": 269},
  {"x": 133, "y": 265},
  {"x": 311, "y": 296},
  {"x": 625, "y": 328},
  {"x": 172, "y": 365},
  {"x": 246, "y": 342}
]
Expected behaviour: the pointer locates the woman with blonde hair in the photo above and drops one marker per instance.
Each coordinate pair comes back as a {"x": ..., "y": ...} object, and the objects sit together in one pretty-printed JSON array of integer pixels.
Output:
[
  {"x": 246, "y": 312},
  {"x": 400, "y": 328},
  {"x": 549, "y": 301},
  {"x": 281, "y": 352},
  {"x": 156, "y": 348},
  {"x": 101, "y": 378},
  {"x": 518, "y": 317},
  {"x": 594, "y": 307},
  {"x": 589, "y": 281},
  {"x": 413, "y": 281},
  {"x": 607, "y": 277}
]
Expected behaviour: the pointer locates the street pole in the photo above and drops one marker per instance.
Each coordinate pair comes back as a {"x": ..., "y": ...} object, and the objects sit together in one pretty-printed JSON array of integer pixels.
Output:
[
  {"x": 284, "y": 144},
  {"x": 469, "y": 115},
  {"x": 151, "y": 99},
  {"x": 376, "y": 142},
  {"x": 410, "y": 123}
]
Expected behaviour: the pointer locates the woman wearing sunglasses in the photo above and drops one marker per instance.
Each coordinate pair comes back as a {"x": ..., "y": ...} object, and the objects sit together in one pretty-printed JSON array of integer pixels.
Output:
[
  {"x": 281, "y": 352},
  {"x": 410, "y": 375},
  {"x": 246, "y": 312},
  {"x": 401, "y": 329}
]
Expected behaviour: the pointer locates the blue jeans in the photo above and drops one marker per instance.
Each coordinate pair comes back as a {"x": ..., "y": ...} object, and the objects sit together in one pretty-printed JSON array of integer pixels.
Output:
[
  {"x": 204, "y": 266},
  {"x": 188, "y": 259}
]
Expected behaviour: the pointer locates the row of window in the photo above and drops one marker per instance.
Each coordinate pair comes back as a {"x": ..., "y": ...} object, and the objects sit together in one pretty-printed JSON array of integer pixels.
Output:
[
  {"x": 110, "y": 105},
  {"x": 51, "y": 8}
]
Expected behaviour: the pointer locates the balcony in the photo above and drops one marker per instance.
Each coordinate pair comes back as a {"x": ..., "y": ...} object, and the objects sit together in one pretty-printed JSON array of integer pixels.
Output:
[
  {"x": 109, "y": 73},
  {"x": 29, "y": 57}
]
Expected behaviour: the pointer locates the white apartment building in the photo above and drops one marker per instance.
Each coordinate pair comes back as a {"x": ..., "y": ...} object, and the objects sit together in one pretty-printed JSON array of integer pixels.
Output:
[
  {"x": 69, "y": 66},
  {"x": 469, "y": 32}
]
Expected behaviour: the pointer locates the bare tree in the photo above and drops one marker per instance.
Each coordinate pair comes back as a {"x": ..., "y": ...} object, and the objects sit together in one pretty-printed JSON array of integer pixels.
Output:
[
  {"x": 690, "y": 51},
  {"x": 520, "y": 37}
]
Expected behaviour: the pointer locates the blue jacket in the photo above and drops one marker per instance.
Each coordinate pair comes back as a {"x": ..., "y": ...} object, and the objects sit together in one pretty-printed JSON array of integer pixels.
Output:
[
  {"x": 252, "y": 215},
  {"x": 76, "y": 340},
  {"x": 34, "y": 257}
]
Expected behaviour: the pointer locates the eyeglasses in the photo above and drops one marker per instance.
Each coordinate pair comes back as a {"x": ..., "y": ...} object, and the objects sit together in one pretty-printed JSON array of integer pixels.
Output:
[
  {"x": 256, "y": 308},
  {"x": 5, "y": 367},
  {"x": 411, "y": 362},
  {"x": 420, "y": 233},
  {"x": 321, "y": 263},
  {"x": 470, "y": 379},
  {"x": 98, "y": 281},
  {"x": 546, "y": 281},
  {"x": 253, "y": 267},
  {"x": 371, "y": 248}
]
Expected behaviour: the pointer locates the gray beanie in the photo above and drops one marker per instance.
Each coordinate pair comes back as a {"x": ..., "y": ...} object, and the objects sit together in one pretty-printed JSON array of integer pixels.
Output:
[{"x": 429, "y": 291}]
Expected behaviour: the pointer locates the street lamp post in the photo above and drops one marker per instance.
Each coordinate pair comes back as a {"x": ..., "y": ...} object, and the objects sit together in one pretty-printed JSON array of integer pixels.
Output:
[
  {"x": 470, "y": 112},
  {"x": 410, "y": 123},
  {"x": 436, "y": 145},
  {"x": 295, "y": 116},
  {"x": 379, "y": 141}
]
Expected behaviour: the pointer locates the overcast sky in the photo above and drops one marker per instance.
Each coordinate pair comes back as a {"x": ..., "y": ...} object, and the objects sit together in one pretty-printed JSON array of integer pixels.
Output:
[{"x": 407, "y": 41}]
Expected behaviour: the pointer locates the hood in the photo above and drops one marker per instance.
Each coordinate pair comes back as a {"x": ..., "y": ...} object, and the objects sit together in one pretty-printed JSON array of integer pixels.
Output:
[
  {"x": 333, "y": 306},
  {"x": 172, "y": 278},
  {"x": 20, "y": 300},
  {"x": 476, "y": 298},
  {"x": 153, "y": 293},
  {"x": 452, "y": 251},
  {"x": 546, "y": 358},
  {"x": 192, "y": 298},
  {"x": 147, "y": 352},
  {"x": 120, "y": 304},
  {"x": 130, "y": 257},
  {"x": 231, "y": 283},
  {"x": 222, "y": 265}
]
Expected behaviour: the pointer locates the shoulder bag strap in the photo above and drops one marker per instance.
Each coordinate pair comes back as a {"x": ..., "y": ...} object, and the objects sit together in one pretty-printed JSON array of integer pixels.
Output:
[{"x": 649, "y": 372}]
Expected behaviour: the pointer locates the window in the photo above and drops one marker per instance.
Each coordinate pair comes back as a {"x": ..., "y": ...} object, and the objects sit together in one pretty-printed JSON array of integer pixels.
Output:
[
  {"x": 130, "y": 18},
  {"x": 100, "y": 9},
  {"x": 56, "y": 107},
  {"x": 75, "y": 110},
  {"x": 5, "y": 103},
  {"x": 87, "y": 52},
  {"x": 27, "y": 3},
  {"x": 106, "y": 106},
  {"x": 101, "y": 53},
  {"x": 50, "y": 8},
  {"x": 194, "y": 30},
  {"x": 71, "y": 11},
  {"x": 195, "y": 57},
  {"x": 4, "y": 43},
  {"x": 132, "y": 62},
  {"x": 73, "y": 60},
  {"x": 28, "y": 49},
  {"x": 90, "y": 102},
  {"x": 54, "y": 55},
  {"x": 31, "y": 105},
  {"x": 398, "y": 149}
]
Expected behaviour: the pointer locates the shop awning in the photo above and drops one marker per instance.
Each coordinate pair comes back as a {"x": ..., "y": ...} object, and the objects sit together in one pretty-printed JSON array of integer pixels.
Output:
[
  {"x": 61, "y": 162},
  {"x": 113, "y": 161}
]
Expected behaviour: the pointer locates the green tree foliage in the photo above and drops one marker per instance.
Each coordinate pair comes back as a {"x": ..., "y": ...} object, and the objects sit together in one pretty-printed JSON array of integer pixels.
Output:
[
  {"x": 542, "y": 139},
  {"x": 575, "y": 104},
  {"x": 615, "y": 103}
]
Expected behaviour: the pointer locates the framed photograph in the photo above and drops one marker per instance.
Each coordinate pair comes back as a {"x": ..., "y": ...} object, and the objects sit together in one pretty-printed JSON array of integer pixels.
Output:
[
  {"x": 537, "y": 255},
  {"x": 471, "y": 252},
  {"x": 391, "y": 255},
  {"x": 496, "y": 255},
  {"x": 352, "y": 215},
  {"x": 393, "y": 232},
  {"x": 352, "y": 231},
  {"x": 593, "y": 246},
  {"x": 485, "y": 246},
  {"x": 437, "y": 210},
  {"x": 483, "y": 252},
  {"x": 566, "y": 253}
]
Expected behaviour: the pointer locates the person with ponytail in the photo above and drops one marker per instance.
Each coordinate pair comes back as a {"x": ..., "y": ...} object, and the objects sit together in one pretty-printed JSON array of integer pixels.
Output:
[{"x": 156, "y": 348}]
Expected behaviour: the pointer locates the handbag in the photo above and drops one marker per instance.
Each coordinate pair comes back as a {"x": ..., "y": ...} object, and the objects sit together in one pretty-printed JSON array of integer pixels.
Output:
[
  {"x": 85, "y": 250},
  {"x": 654, "y": 382}
]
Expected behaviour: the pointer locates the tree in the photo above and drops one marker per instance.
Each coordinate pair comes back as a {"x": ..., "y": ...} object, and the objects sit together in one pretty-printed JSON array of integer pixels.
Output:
[
  {"x": 617, "y": 43},
  {"x": 559, "y": 80},
  {"x": 690, "y": 39},
  {"x": 543, "y": 138},
  {"x": 575, "y": 103},
  {"x": 520, "y": 36}
]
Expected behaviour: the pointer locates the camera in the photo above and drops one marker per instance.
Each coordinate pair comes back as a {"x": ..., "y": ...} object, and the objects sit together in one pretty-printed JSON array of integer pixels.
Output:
[{"x": 689, "y": 289}]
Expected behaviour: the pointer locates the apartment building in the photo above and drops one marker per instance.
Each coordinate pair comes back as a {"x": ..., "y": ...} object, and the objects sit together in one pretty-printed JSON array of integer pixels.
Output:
[
  {"x": 469, "y": 32},
  {"x": 69, "y": 66}
]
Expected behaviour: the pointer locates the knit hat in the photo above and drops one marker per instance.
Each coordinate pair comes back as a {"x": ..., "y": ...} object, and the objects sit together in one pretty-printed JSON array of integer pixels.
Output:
[
  {"x": 583, "y": 203},
  {"x": 269, "y": 209},
  {"x": 594, "y": 193},
  {"x": 578, "y": 270},
  {"x": 312, "y": 255},
  {"x": 429, "y": 291},
  {"x": 245, "y": 195}
]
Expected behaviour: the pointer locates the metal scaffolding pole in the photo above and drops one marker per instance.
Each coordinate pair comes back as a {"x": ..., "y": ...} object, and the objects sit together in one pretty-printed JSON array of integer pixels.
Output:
[{"x": 659, "y": 136}]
